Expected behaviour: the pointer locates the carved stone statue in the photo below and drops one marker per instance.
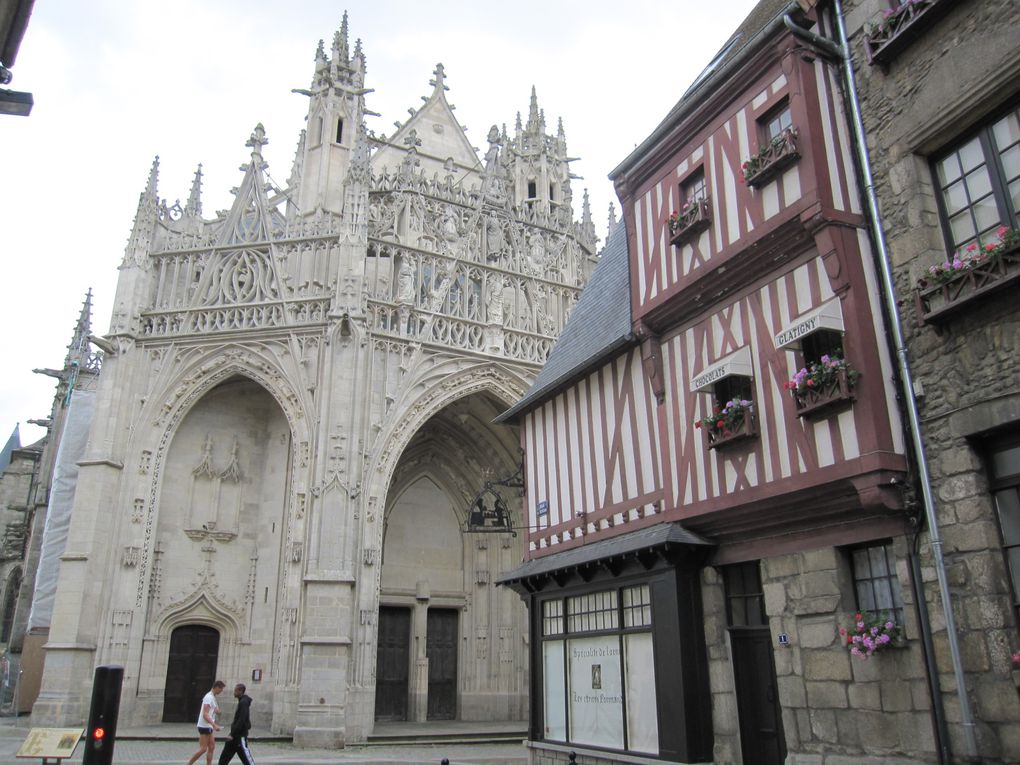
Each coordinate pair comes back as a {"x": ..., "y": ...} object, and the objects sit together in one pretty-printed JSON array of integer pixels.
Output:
[
  {"x": 405, "y": 281},
  {"x": 536, "y": 254},
  {"x": 494, "y": 239},
  {"x": 494, "y": 300}
]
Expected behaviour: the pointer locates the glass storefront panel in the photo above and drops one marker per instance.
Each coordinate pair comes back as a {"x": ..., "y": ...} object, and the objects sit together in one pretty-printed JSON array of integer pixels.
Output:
[
  {"x": 642, "y": 719},
  {"x": 595, "y": 691},
  {"x": 554, "y": 700}
]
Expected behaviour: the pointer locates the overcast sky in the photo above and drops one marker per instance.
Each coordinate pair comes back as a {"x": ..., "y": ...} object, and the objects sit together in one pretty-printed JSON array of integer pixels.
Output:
[{"x": 119, "y": 82}]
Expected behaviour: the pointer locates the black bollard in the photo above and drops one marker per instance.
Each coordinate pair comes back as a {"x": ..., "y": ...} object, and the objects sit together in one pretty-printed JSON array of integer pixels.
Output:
[{"x": 102, "y": 729}]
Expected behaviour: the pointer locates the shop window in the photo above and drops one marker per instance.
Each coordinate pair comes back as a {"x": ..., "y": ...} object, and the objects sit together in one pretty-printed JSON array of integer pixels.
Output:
[
  {"x": 876, "y": 586},
  {"x": 599, "y": 676},
  {"x": 1004, "y": 466},
  {"x": 978, "y": 182}
]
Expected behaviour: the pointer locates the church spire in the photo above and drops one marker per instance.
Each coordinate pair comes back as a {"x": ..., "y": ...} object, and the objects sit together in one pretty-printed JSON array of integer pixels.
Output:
[
  {"x": 194, "y": 206},
  {"x": 145, "y": 219},
  {"x": 341, "y": 55},
  {"x": 336, "y": 108},
  {"x": 356, "y": 187},
  {"x": 533, "y": 125},
  {"x": 78, "y": 351},
  {"x": 13, "y": 443}
]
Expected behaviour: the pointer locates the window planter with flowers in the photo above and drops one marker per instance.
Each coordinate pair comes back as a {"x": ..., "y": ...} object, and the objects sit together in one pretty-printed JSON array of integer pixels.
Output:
[
  {"x": 822, "y": 386},
  {"x": 772, "y": 158},
  {"x": 900, "y": 26},
  {"x": 728, "y": 424},
  {"x": 969, "y": 275},
  {"x": 871, "y": 633},
  {"x": 695, "y": 216}
]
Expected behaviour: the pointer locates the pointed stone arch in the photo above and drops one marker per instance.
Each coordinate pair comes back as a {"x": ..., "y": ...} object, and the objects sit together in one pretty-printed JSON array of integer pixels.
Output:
[
  {"x": 193, "y": 383},
  {"x": 444, "y": 447},
  {"x": 199, "y": 608},
  {"x": 441, "y": 388}
]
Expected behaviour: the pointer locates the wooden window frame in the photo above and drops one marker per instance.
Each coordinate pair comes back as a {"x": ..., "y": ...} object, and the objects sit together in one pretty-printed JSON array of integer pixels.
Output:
[{"x": 1008, "y": 216}]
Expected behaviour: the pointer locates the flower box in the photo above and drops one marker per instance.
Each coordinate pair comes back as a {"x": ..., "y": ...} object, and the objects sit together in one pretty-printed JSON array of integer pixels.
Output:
[
  {"x": 937, "y": 302},
  {"x": 901, "y": 26},
  {"x": 740, "y": 431},
  {"x": 872, "y": 632},
  {"x": 771, "y": 159},
  {"x": 694, "y": 219},
  {"x": 835, "y": 393}
]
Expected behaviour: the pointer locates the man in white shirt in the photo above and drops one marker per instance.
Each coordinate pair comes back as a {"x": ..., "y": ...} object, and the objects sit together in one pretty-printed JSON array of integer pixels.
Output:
[{"x": 207, "y": 724}]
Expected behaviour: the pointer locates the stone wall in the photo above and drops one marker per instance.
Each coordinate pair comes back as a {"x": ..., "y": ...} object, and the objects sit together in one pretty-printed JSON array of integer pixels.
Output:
[
  {"x": 838, "y": 708},
  {"x": 956, "y": 75},
  {"x": 725, "y": 722}
]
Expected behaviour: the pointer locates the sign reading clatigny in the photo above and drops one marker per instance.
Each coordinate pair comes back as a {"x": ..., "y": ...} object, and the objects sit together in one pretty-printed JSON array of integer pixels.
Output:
[{"x": 827, "y": 316}]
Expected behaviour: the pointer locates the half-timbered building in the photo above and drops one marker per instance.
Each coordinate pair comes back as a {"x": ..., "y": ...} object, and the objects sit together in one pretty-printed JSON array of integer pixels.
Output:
[{"x": 714, "y": 456}]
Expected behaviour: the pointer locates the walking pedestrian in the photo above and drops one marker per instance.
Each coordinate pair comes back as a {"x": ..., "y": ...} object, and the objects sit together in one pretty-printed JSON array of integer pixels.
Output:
[
  {"x": 237, "y": 741},
  {"x": 207, "y": 723}
]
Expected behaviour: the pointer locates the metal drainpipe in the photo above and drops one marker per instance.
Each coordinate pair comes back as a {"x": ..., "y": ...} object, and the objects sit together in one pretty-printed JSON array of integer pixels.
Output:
[{"x": 842, "y": 52}]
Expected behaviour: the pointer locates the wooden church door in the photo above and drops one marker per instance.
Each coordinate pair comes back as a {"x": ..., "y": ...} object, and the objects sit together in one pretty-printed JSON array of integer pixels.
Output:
[
  {"x": 441, "y": 649},
  {"x": 392, "y": 663},
  {"x": 190, "y": 671}
]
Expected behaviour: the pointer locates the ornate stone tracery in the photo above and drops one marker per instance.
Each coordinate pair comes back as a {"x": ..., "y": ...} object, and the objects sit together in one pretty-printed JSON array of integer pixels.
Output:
[{"x": 395, "y": 289}]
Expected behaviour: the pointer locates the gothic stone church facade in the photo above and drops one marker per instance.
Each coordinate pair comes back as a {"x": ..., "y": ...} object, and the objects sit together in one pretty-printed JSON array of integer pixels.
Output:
[{"x": 294, "y": 418}]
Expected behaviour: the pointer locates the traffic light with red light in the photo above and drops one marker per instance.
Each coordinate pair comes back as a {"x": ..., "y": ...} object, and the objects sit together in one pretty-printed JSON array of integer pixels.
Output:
[{"x": 102, "y": 727}]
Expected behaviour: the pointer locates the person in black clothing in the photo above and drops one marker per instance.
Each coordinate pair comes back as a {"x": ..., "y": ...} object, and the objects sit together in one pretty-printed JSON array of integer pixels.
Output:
[{"x": 237, "y": 741}]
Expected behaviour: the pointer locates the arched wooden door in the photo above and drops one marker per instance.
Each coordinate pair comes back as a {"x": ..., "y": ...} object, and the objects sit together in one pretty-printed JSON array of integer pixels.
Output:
[{"x": 190, "y": 671}]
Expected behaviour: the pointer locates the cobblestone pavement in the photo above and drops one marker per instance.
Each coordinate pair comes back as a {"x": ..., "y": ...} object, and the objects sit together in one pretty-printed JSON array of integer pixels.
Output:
[{"x": 152, "y": 752}]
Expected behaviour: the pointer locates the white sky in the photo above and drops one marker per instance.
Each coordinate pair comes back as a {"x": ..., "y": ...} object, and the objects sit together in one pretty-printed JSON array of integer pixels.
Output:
[{"x": 117, "y": 82}]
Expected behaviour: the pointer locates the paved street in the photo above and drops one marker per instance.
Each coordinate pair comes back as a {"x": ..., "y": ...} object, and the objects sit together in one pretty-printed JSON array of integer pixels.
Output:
[{"x": 162, "y": 744}]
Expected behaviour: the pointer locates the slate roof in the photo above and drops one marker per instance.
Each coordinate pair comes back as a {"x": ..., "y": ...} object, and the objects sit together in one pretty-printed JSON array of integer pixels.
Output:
[
  {"x": 599, "y": 326},
  {"x": 659, "y": 535}
]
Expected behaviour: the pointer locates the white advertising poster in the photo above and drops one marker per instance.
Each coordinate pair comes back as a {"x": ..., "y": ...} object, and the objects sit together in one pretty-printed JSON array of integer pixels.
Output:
[
  {"x": 642, "y": 715},
  {"x": 595, "y": 691},
  {"x": 553, "y": 675}
]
